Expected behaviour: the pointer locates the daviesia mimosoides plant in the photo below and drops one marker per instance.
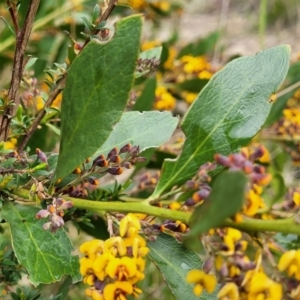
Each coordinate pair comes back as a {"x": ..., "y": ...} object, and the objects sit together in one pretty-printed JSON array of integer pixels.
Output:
[{"x": 211, "y": 201}]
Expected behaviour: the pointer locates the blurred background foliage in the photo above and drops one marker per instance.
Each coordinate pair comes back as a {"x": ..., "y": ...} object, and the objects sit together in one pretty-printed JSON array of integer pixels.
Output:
[{"x": 190, "y": 55}]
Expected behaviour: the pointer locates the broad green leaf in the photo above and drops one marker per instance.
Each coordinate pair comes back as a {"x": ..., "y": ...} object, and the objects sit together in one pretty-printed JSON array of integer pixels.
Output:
[
  {"x": 228, "y": 112},
  {"x": 226, "y": 198},
  {"x": 148, "y": 129},
  {"x": 46, "y": 256},
  {"x": 174, "y": 261},
  {"x": 145, "y": 101},
  {"x": 97, "y": 88}
]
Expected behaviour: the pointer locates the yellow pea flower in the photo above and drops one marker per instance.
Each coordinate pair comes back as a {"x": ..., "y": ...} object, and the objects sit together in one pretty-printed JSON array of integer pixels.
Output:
[
  {"x": 121, "y": 268},
  {"x": 117, "y": 290},
  {"x": 202, "y": 281}
]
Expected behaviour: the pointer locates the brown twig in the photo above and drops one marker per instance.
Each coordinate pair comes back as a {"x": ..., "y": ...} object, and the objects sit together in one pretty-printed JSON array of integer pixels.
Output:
[
  {"x": 13, "y": 13},
  {"x": 18, "y": 66},
  {"x": 112, "y": 4},
  {"x": 58, "y": 88}
]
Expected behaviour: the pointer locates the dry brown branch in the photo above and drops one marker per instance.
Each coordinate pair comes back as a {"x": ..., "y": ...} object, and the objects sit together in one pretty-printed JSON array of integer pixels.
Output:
[{"x": 22, "y": 38}]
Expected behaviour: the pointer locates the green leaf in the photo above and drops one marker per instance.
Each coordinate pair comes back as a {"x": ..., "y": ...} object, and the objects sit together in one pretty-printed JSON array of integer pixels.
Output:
[
  {"x": 30, "y": 62},
  {"x": 203, "y": 46},
  {"x": 145, "y": 100},
  {"x": 46, "y": 256},
  {"x": 228, "y": 112},
  {"x": 226, "y": 198},
  {"x": 193, "y": 85},
  {"x": 149, "y": 54},
  {"x": 148, "y": 129},
  {"x": 174, "y": 261},
  {"x": 96, "y": 13},
  {"x": 97, "y": 88}
]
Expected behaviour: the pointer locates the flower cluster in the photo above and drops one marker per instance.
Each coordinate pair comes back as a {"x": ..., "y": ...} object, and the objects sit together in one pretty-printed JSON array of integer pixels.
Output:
[
  {"x": 112, "y": 268},
  {"x": 55, "y": 213},
  {"x": 245, "y": 161},
  {"x": 288, "y": 127},
  {"x": 184, "y": 76},
  {"x": 240, "y": 267},
  {"x": 195, "y": 65},
  {"x": 163, "y": 99},
  {"x": 113, "y": 163}
]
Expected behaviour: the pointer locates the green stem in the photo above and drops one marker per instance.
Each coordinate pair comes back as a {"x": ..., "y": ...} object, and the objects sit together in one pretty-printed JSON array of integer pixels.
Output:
[
  {"x": 141, "y": 207},
  {"x": 262, "y": 22},
  {"x": 282, "y": 225},
  {"x": 284, "y": 138},
  {"x": 285, "y": 226}
]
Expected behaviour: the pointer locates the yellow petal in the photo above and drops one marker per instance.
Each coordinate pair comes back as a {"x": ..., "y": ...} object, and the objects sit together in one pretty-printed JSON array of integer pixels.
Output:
[
  {"x": 198, "y": 289},
  {"x": 209, "y": 283},
  {"x": 195, "y": 276},
  {"x": 124, "y": 286},
  {"x": 109, "y": 291},
  {"x": 286, "y": 259},
  {"x": 229, "y": 291}
]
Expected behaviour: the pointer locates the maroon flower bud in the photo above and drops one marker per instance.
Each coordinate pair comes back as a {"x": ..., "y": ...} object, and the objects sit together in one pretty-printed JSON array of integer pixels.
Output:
[
  {"x": 41, "y": 155},
  {"x": 100, "y": 161},
  {"x": 208, "y": 264},
  {"x": 189, "y": 202},
  {"x": 100, "y": 285},
  {"x": 134, "y": 151},
  {"x": 189, "y": 185},
  {"x": 125, "y": 148},
  {"x": 224, "y": 270},
  {"x": 259, "y": 169},
  {"x": 112, "y": 152},
  {"x": 115, "y": 171},
  {"x": 258, "y": 153},
  {"x": 127, "y": 165},
  {"x": 115, "y": 159},
  {"x": 238, "y": 160},
  {"x": 204, "y": 192},
  {"x": 93, "y": 181},
  {"x": 222, "y": 160}
]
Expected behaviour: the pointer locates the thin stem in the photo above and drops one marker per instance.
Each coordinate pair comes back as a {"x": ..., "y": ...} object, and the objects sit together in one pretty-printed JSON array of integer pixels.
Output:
[
  {"x": 252, "y": 225},
  {"x": 141, "y": 207},
  {"x": 13, "y": 13},
  {"x": 111, "y": 5},
  {"x": 18, "y": 67},
  {"x": 280, "y": 138},
  {"x": 288, "y": 89},
  {"x": 164, "y": 196},
  {"x": 58, "y": 88},
  {"x": 262, "y": 22}
]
